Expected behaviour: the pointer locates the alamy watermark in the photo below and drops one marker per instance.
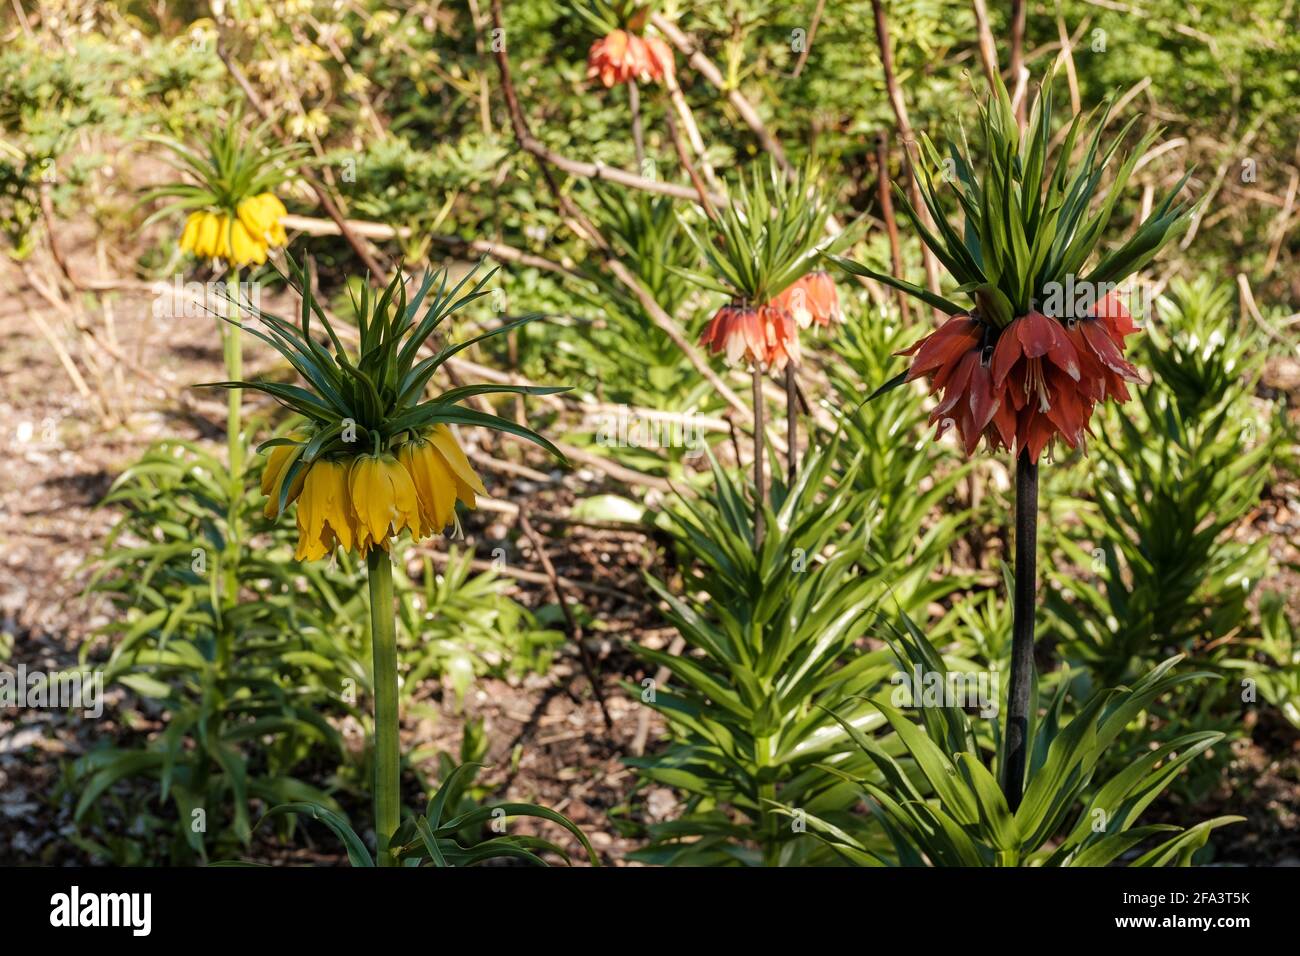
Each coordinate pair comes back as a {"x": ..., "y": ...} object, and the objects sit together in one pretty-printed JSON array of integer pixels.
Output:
[
  {"x": 974, "y": 690},
  {"x": 74, "y": 908},
  {"x": 62, "y": 690},
  {"x": 1079, "y": 299},
  {"x": 203, "y": 300},
  {"x": 625, "y": 427}
]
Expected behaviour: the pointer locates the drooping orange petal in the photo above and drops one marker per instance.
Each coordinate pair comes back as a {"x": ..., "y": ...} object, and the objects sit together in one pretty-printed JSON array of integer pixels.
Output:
[
  {"x": 1006, "y": 353},
  {"x": 946, "y": 346}
]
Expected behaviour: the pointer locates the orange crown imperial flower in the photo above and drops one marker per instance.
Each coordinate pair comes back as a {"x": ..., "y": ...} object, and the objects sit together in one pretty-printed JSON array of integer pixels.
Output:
[
  {"x": 622, "y": 56},
  {"x": 1034, "y": 220},
  {"x": 765, "y": 240},
  {"x": 765, "y": 336},
  {"x": 813, "y": 300},
  {"x": 1023, "y": 386}
]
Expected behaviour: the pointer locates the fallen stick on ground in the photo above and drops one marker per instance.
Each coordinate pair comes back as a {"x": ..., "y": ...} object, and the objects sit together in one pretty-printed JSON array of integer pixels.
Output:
[{"x": 575, "y": 629}]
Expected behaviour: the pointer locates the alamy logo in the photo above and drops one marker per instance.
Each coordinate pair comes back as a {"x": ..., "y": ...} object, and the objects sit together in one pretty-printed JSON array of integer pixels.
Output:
[
  {"x": 74, "y": 908},
  {"x": 648, "y": 428},
  {"x": 26, "y": 689},
  {"x": 977, "y": 690}
]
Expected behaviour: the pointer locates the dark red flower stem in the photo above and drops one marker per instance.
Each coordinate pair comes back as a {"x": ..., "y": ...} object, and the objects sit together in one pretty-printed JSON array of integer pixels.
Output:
[
  {"x": 791, "y": 424},
  {"x": 1022, "y": 631},
  {"x": 760, "y": 452}
]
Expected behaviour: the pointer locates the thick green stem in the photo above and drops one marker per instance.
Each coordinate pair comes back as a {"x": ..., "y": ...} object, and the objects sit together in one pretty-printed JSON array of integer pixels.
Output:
[
  {"x": 766, "y": 797},
  {"x": 234, "y": 355},
  {"x": 383, "y": 639},
  {"x": 1022, "y": 631}
]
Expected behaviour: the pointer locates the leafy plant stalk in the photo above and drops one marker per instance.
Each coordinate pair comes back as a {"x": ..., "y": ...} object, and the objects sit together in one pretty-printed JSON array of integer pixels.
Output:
[
  {"x": 232, "y": 354},
  {"x": 1022, "y": 630},
  {"x": 638, "y": 136},
  {"x": 234, "y": 358},
  {"x": 383, "y": 637},
  {"x": 760, "y": 451}
]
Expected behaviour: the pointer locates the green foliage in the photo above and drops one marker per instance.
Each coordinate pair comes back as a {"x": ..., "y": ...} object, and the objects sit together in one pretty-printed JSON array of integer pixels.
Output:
[
  {"x": 82, "y": 90},
  {"x": 942, "y": 806},
  {"x": 766, "y": 237},
  {"x": 1173, "y": 475},
  {"x": 455, "y": 829},
  {"x": 772, "y": 636},
  {"x": 238, "y": 647},
  {"x": 232, "y": 165},
  {"x": 252, "y": 658},
  {"x": 909, "y": 483},
  {"x": 1272, "y": 660},
  {"x": 631, "y": 359},
  {"x": 459, "y": 625},
  {"x": 1201, "y": 352}
]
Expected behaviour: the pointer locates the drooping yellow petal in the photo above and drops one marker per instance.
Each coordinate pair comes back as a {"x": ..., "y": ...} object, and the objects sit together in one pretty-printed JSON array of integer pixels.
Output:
[
  {"x": 370, "y": 494},
  {"x": 191, "y": 231},
  {"x": 244, "y": 248},
  {"x": 276, "y": 460},
  {"x": 467, "y": 480},
  {"x": 324, "y": 520},
  {"x": 255, "y": 217},
  {"x": 224, "y": 225},
  {"x": 271, "y": 202},
  {"x": 434, "y": 483},
  {"x": 310, "y": 547},
  {"x": 340, "y": 509},
  {"x": 277, "y": 468},
  {"x": 207, "y": 241},
  {"x": 274, "y": 212},
  {"x": 406, "y": 501}
]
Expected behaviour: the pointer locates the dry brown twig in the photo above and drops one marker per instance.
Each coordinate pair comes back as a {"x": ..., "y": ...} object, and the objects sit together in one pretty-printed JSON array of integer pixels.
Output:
[
  {"x": 359, "y": 245},
  {"x": 575, "y": 629},
  {"x": 988, "y": 49},
  {"x": 910, "y": 148},
  {"x": 585, "y": 228},
  {"x": 886, "y": 199}
]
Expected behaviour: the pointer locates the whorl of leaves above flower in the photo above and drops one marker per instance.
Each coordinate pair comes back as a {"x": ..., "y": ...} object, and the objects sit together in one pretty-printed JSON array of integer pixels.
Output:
[
  {"x": 767, "y": 237},
  {"x": 1030, "y": 221}
]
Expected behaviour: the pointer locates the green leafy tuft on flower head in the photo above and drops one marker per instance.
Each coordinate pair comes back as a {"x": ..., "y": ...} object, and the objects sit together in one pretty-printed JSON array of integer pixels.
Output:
[
  {"x": 1029, "y": 220},
  {"x": 373, "y": 398}
]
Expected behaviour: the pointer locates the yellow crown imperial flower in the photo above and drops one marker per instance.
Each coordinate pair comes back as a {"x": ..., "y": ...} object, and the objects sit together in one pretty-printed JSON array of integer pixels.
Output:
[
  {"x": 384, "y": 500},
  {"x": 227, "y": 188},
  {"x": 325, "y": 517},
  {"x": 413, "y": 471},
  {"x": 441, "y": 474}
]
